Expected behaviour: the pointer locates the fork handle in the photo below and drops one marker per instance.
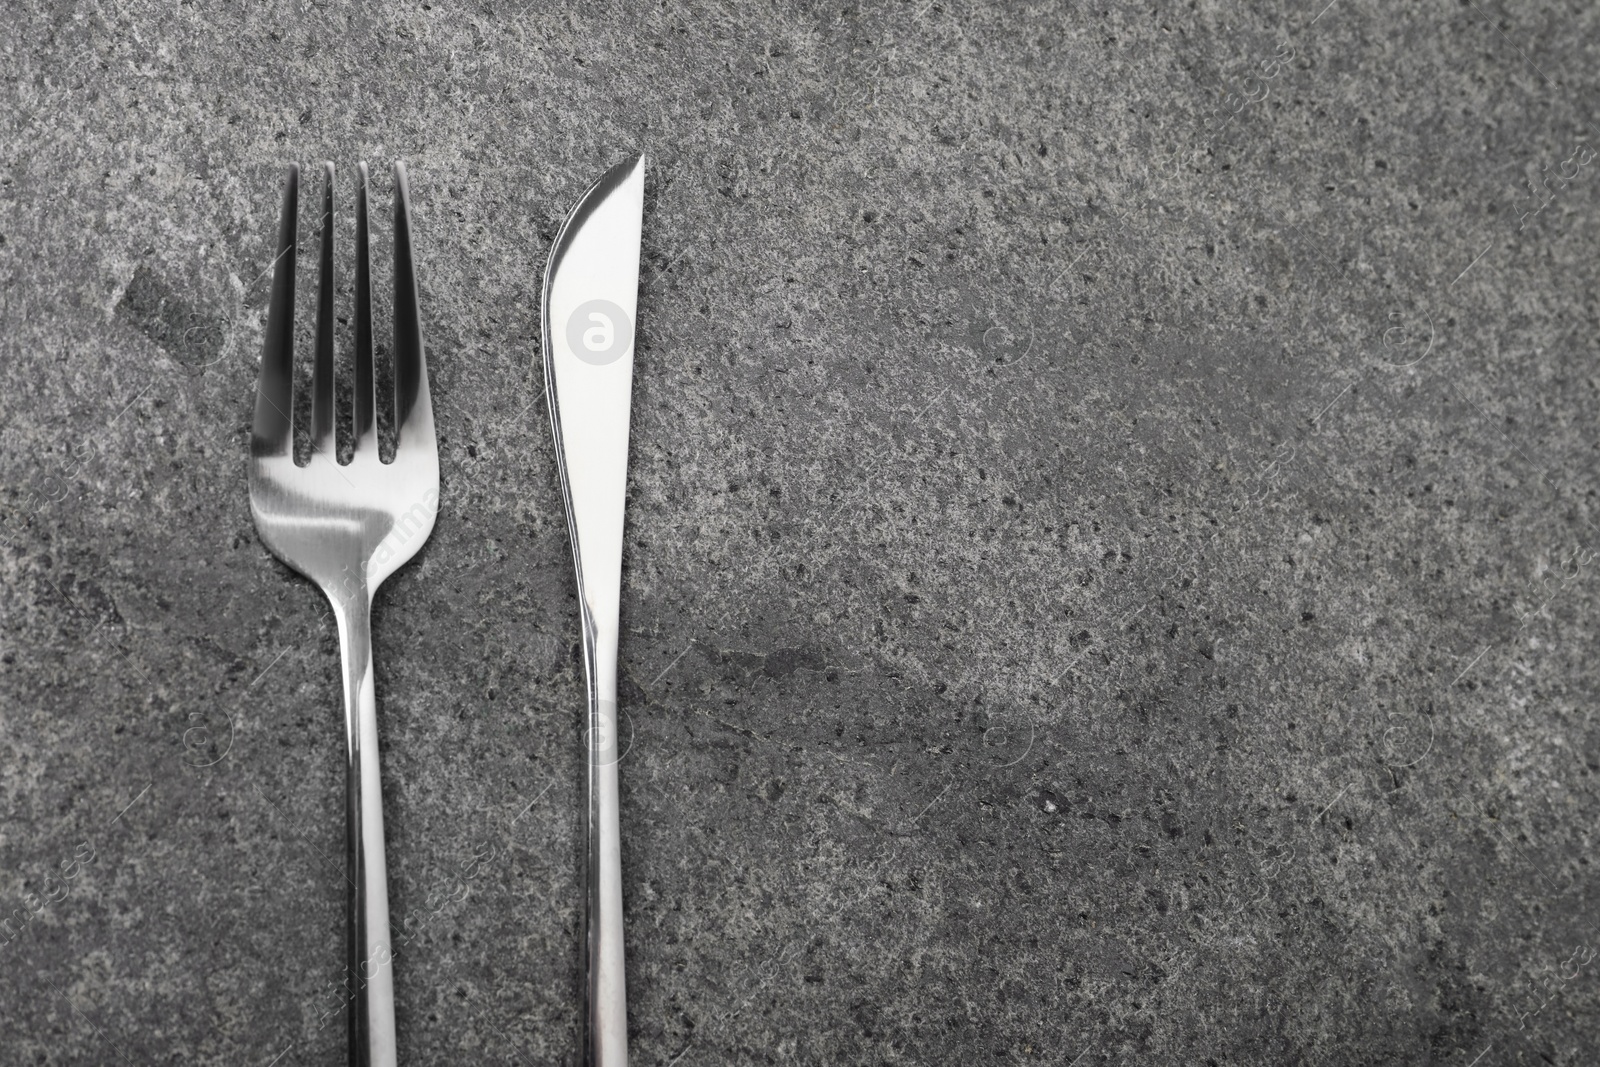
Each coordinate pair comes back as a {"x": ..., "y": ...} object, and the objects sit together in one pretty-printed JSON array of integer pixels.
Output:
[{"x": 369, "y": 962}]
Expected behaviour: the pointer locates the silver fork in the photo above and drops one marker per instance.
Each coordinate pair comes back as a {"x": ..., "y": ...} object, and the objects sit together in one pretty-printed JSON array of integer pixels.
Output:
[{"x": 347, "y": 528}]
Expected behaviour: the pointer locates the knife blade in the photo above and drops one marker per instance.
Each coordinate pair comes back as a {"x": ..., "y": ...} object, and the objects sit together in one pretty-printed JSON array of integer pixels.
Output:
[{"x": 590, "y": 297}]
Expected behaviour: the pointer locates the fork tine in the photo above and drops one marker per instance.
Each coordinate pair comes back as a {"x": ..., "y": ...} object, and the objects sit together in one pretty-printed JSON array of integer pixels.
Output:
[
  {"x": 364, "y": 425},
  {"x": 413, "y": 412},
  {"x": 322, "y": 422},
  {"x": 272, "y": 432}
]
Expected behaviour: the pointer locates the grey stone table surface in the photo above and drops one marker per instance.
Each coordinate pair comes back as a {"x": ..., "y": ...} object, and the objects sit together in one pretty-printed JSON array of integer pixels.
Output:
[{"x": 1109, "y": 575}]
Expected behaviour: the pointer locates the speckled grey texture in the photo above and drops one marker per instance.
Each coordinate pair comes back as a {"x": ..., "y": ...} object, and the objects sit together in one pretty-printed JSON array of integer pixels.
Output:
[{"x": 1109, "y": 573}]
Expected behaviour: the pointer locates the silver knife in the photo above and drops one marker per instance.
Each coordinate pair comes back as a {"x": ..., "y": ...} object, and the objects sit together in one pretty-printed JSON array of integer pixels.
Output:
[{"x": 591, "y": 291}]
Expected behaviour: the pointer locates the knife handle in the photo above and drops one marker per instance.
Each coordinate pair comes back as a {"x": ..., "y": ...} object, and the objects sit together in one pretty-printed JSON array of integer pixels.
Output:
[{"x": 607, "y": 1007}]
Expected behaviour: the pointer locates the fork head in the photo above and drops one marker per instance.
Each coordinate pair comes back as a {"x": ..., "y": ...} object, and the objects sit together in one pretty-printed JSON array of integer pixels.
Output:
[{"x": 347, "y": 527}]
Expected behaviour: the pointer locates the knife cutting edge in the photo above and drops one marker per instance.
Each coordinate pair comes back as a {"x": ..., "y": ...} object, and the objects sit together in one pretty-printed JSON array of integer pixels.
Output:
[{"x": 591, "y": 294}]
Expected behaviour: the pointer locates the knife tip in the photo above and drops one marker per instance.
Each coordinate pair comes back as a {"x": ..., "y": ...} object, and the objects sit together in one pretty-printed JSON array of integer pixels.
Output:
[{"x": 632, "y": 163}]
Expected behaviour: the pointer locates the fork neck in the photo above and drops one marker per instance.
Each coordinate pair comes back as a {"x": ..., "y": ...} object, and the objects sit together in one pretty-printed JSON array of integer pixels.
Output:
[
  {"x": 352, "y": 608},
  {"x": 350, "y": 594}
]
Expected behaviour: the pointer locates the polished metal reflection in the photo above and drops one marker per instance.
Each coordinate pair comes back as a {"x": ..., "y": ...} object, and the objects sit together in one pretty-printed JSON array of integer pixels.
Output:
[
  {"x": 590, "y": 297},
  {"x": 347, "y": 528}
]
